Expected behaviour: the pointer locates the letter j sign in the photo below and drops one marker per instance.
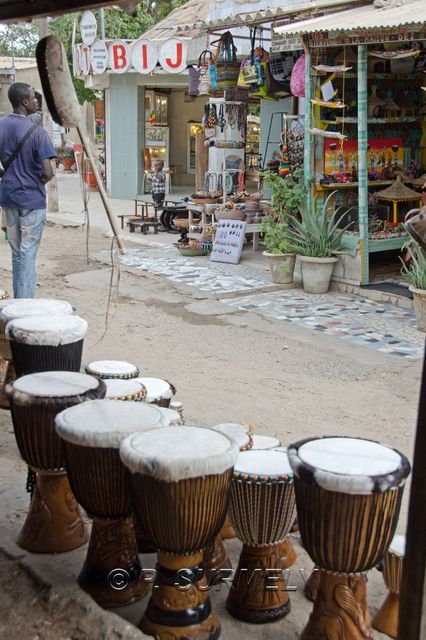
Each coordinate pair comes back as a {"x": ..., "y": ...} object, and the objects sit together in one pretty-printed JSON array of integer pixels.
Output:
[{"x": 172, "y": 56}]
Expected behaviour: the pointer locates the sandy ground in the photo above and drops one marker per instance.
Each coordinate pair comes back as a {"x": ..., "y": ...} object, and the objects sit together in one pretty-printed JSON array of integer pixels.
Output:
[{"x": 227, "y": 365}]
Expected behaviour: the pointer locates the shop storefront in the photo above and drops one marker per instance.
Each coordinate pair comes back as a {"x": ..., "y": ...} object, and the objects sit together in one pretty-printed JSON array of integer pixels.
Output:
[{"x": 365, "y": 123}]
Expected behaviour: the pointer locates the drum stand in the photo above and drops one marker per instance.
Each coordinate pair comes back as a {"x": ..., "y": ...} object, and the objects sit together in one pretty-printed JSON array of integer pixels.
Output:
[
  {"x": 386, "y": 619},
  {"x": 178, "y": 611},
  {"x": 340, "y": 608},
  {"x": 254, "y": 597},
  {"x": 311, "y": 585},
  {"x": 112, "y": 573},
  {"x": 54, "y": 523}
]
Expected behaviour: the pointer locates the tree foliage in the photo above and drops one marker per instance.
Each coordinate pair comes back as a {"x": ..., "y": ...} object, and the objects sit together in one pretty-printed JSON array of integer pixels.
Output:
[
  {"x": 19, "y": 39},
  {"x": 23, "y": 38}
]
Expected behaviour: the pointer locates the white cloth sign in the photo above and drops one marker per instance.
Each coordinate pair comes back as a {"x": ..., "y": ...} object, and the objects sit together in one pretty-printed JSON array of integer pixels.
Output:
[{"x": 228, "y": 241}]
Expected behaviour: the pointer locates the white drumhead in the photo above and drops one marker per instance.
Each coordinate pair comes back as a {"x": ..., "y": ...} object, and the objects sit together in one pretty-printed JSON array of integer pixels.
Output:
[
  {"x": 5, "y": 302},
  {"x": 349, "y": 465},
  {"x": 49, "y": 330},
  {"x": 104, "y": 424},
  {"x": 269, "y": 463},
  {"x": 235, "y": 431},
  {"x": 264, "y": 442},
  {"x": 55, "y": 384},
  {"x": 351, "y": 456},
  {"x": 122, "y": 388},
  {"x": 156, "y": 389},
  {"x": 35, "y": 307},
  {"x": 397, "y": 546},
  {"x": 111, "y": 368},
  {"x": 178, "y": 453}
]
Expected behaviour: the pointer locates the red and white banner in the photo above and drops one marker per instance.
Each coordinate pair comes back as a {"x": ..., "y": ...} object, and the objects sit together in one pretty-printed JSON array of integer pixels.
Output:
[{"x": 120, "y": 56}]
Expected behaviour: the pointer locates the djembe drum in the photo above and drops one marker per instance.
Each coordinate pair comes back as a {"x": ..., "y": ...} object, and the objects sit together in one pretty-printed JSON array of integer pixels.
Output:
[
  {"x": 11, "y": 309},
  {"x": 112, "y": 369},
  {"x": 124, "y": 390},
  {"x": 53, "y": 523},
  {"x": 348, "y": 493},
  {"x": 180, "y": 483},
  {"x": 262, "y": 508},
  {"x": 266, "y": 443},
  {"x": 216, "y": 560},
  {"x": 92, "y": 433},
  {"x": 158, "y": 391},
  {"x": 386, "y": 619},
  {"x": 46, "y": 343}
]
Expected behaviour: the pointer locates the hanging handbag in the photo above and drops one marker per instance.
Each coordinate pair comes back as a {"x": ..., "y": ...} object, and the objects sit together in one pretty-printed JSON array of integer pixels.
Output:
[
  {"x": 204, "y": 62},
  {"x": 225, "y": 69},
  {"x": 298, "y": 76},
  {"x": 193, "y": 81}
]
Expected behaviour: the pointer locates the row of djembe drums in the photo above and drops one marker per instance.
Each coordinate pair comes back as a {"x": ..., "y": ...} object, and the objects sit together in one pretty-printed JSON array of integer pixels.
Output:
[{"x": 136, "y": 461}]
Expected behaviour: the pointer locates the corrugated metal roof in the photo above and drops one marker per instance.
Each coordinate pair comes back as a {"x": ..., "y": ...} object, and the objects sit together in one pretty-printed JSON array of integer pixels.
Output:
[
  {"x": 190, "y": 13},
  {"x": 365, "y": 18},
  {"x": 235, "y": 16},
  {"x": 7, "y": 62}
]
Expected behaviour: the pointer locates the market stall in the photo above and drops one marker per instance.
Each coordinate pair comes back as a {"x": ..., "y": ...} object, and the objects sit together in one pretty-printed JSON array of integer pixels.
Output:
[{"x": 365, "y": 125}]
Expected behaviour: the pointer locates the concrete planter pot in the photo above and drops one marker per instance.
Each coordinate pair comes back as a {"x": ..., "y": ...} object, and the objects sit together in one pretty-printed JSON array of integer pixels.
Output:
[
  {"x": 316, "y": 273},
  {"x": 419, "y": 307},
  {"x": 281, "y": 266}
]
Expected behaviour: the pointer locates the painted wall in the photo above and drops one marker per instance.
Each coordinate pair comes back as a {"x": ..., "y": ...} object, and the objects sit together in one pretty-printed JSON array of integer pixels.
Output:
[
  {"x": 29, "y": 75},
  {"x": 180, "y": 113},
  {"x": 125, "y": 114}
]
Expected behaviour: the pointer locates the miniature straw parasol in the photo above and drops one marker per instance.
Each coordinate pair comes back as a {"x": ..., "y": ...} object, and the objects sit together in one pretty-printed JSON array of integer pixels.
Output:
[{"x": 398, "y": 192}]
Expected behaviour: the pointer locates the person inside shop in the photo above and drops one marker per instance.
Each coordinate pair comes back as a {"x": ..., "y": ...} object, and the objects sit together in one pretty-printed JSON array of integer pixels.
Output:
[
  {"x": 158, "y": 182},
  {"x": 25, "y": 154}
]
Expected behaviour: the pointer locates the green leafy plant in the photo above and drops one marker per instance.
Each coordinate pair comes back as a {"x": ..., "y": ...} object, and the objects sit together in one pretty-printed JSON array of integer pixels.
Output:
[
  {"x": 65, "y": 152},
  {"x": 415, "y": 271},
  {"x": 317, "y": 234},
  {"x": 276, "y": 235},
  {"x": 288, "y": 193}
]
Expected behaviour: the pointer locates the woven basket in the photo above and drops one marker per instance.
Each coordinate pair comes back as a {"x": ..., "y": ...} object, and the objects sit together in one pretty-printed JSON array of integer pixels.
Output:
[{"x": 206, "y": 200}]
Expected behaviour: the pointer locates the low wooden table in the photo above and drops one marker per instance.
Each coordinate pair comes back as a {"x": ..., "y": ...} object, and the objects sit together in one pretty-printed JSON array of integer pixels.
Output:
[{"x": 143, "y": 225}]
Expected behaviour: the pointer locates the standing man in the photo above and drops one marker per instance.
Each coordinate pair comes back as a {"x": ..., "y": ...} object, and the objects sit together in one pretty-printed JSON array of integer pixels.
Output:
[{"x": 25, "y": 153}]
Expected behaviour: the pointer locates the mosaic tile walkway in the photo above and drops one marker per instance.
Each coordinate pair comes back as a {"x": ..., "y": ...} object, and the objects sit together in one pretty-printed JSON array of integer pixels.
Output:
[
  {"x": 383, "y": 327},
  {"x": 199, "y": 272}
]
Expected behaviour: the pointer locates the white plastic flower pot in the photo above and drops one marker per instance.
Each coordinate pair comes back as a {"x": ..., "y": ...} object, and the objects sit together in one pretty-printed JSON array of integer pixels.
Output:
[
  {"x": 281, "y": 266},
  {"x": 316, "y": 273},
  {"x": 419, "y": 307}
]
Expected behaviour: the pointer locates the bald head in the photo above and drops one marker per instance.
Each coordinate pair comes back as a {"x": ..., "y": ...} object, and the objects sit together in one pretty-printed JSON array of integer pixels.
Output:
[{"x": 22, "y": 98}]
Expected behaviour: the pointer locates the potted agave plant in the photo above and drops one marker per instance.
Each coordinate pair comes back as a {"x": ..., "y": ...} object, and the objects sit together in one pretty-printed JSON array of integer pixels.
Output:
[
  {"x": 288, "y": 195},
  {"x": 415, "y": 273},
  {"x": 317, "y": 237}
]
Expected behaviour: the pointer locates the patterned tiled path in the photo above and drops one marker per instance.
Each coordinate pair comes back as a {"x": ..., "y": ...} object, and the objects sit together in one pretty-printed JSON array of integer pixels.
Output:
[
  {"x": 383, "y": 327},
  {"x": 206, "y": 276}
]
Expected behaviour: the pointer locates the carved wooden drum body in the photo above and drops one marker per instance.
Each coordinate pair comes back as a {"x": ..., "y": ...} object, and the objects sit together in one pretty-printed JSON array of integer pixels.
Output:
[
  {"x": 158, "y": 391},
  {"x": 386, "y": 619},
  {"x": 348, "y": 493},
  {"x": 112, "y": 369},
  {"x": 46, "y": 343},
  {"x": 180, "y": 482},
  {"x": 92, "y": 434},
  {"x": 262, "y": 509},
  {"x": 54, "y": 523}
]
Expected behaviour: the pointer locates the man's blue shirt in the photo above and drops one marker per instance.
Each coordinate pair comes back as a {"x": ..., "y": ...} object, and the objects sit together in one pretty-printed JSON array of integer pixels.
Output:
[{"x": 21, "y": 186}]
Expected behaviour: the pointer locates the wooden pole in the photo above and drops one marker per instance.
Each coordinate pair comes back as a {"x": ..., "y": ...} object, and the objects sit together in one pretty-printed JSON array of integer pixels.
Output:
[
  {"x": 88, "y": 149},
  {"x": 308, "y": 126},
  {"x": 201, "y": 160},
  {"x": 363, "y": 161},
  {"x": 412, "y": 613}
]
